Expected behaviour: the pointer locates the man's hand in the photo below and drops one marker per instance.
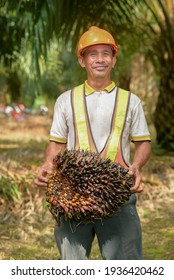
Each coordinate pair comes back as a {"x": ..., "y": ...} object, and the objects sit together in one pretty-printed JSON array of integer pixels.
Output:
[
  {"x": 141, "y": 156},
  {"x": 42, "y": 178},
  {"x": 134, "y": 170},
  {"x": 52, "y": 150}
]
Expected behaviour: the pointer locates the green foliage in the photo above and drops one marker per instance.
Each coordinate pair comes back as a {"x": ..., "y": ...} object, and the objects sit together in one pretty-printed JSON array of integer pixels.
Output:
[
  {"x": 13, "y": 187},
  {"x": 38, "y": 22},
  {"x": 29, "y": 28},
  {"x": 9, "y": 189},
  {"x": 3, "y": 78},
  {"x": 40, "y": 25}
]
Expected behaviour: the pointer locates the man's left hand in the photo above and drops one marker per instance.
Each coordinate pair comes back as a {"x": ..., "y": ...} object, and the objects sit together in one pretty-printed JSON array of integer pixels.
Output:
[{"x": 134, "y": 170}]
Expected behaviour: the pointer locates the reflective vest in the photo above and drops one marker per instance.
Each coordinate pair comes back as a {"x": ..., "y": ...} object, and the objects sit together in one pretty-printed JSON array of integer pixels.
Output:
[{"x": 83, "y": 135}]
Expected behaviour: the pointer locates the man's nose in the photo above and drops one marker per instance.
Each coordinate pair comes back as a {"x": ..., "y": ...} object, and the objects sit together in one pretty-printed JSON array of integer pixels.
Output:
[{"x": 100, "y": 57}]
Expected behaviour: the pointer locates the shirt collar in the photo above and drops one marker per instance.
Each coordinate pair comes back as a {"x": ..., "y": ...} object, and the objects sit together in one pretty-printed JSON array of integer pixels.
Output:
[{"x": 89, "y": 90}]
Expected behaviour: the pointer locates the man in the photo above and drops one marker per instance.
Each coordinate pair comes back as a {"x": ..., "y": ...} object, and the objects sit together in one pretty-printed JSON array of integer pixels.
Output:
[{"x": 103, "y": 118}]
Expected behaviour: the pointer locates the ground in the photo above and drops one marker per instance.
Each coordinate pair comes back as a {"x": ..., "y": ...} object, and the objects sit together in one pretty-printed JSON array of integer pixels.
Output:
[{"x": 26, "y": 227}]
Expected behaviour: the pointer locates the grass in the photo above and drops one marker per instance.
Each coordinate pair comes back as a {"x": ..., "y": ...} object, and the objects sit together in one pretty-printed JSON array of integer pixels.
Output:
[
  {"x": 34, "y": 240},
  {"x": 26, "y": 227},
  {"x": 158, "y": 237},
  {"x": 29, "y": 241}
]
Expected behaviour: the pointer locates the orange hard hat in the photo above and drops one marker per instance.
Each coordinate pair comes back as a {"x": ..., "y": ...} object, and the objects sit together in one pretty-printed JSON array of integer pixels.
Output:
[{"x": 96, "y": 36}]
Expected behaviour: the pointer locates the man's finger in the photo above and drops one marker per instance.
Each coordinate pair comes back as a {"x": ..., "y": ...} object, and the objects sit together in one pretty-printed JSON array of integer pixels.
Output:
[{"x": 40, "y": 183}]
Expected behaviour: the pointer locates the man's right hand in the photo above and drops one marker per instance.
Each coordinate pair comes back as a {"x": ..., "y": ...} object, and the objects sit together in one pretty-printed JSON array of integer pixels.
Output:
[{"x": 42, "y": 176}]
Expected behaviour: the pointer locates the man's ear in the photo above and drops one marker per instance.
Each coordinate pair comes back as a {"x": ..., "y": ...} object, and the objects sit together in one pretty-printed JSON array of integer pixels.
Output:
[
  {"x": 114, "y": 61},
  {"x": 81, "y": 61}
]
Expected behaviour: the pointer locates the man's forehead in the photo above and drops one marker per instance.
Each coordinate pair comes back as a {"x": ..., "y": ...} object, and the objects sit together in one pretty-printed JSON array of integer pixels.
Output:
[{"x": 101, "y": 47}]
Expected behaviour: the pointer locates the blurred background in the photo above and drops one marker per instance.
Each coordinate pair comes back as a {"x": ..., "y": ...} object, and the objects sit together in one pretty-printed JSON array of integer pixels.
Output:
[{"x": 38, "y": 43}]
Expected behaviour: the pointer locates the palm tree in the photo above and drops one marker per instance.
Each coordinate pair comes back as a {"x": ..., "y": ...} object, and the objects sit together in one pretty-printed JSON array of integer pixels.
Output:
[
  {"x": 161, "y": 35},
  {"x": 146, "y": 24}
]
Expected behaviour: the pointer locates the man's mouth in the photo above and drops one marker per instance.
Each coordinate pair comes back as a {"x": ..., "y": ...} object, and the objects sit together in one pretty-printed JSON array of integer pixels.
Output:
[{"x": 100, "y": 68}]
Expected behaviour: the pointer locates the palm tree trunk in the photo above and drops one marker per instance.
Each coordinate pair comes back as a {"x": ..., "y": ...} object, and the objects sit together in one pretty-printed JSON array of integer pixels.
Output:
[{"x": 164, "y": 113}]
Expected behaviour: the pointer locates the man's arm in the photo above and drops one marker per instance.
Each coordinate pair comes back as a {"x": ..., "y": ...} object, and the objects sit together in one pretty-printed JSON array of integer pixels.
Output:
[
  {"x": 141, "y": 156},
  {"x": 52, "y": 150}
]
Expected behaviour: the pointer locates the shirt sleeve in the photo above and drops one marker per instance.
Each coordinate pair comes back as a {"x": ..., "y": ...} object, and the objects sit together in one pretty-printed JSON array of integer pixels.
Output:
[
  {"x": 139, "y": 128},
  {"x": 58, "y": 132}
]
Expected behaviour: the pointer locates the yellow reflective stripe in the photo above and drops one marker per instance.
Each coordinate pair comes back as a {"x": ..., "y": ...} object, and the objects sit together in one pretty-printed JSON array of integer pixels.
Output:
[
  {"x": 80, "y": 119},
  {"x": 83, "y": 134},
  {"x": 59, "y": 140},
  {"x": 118, "y": 124},
  {"x": 141, "y": 138}
]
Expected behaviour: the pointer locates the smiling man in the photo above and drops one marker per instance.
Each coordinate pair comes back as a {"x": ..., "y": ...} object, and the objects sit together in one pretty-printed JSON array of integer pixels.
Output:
[
  {"x": 98, "y": 61},
  {"x": 103, "y": 118}
]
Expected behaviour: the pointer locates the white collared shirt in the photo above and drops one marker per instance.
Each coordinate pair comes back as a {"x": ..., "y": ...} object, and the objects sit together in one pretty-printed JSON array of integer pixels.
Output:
[{"x": 100, "y": 107}]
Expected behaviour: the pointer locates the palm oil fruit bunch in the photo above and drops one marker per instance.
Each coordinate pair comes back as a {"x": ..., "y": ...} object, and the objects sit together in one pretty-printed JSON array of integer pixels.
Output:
[{"x": 85, "y": 187}]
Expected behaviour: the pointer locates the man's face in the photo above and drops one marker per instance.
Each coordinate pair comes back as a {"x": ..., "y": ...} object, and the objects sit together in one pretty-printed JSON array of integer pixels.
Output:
[{"x": 98, "y": 61}]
